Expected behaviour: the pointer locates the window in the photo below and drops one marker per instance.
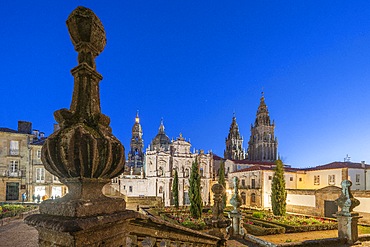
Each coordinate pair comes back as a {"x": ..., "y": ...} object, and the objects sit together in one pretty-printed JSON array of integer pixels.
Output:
[
  {"x": 270, "y": 177},
  {"x": 115, "y": 180},
  {"x": 187, "y": 172},
  {"x": 13, "y": 168},
  {"x": 291, "y": 179},
  {"x": 38, "y": 154},
  {"x": 243, "y": 182},
  {"x": 357, "y": 179},
  {"x": 14, "y": 148},
  {"x": 201, "y": 172},
  {"x": 300, "y": 179},
  {"x": 160, "y": 172},
  {"x": 40, "y": 175},
  {"x": 316, "y": 180},
  {"x": 130, "y": 188},
  {"x": 331, "y": 179},
  {"x": 55, "y": 179},
  {"x": 253, "y": 182},
  {"x": 253, "y": 198},
  {"x": 160, "y": 191}
]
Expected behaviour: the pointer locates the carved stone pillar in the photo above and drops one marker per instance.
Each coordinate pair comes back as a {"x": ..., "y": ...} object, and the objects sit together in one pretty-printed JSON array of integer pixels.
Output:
[
  {"x": 83, "y": 154},
  {"x": 236, "y": 202}
]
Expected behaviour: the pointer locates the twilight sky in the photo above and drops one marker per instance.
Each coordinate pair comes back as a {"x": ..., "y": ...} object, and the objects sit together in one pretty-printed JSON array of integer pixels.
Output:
[{"x": 194, "y": 63}]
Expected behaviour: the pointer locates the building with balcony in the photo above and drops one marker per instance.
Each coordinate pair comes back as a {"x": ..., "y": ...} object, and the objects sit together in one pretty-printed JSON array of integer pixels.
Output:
[{"x": 21, "y": 168}]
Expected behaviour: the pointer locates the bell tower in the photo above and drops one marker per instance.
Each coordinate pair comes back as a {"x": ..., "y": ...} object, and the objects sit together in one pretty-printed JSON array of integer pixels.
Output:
[
  {"x": 234, "y": 143},
  {"x": 136, "y": 154},
  {"x": 262, "y": 143}
]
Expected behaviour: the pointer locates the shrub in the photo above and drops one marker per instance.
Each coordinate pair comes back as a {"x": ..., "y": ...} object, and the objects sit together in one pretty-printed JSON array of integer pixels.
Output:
[{"x": 258, "y": 215}]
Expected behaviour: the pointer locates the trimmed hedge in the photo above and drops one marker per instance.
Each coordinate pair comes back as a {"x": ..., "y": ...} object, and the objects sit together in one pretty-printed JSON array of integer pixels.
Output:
[
  {"x": 301, "y": 228},
  {"x": 261, "y": 228}
]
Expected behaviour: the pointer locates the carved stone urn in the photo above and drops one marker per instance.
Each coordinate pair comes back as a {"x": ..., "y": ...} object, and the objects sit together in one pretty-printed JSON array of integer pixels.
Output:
[{"x": 83, "y": 153}]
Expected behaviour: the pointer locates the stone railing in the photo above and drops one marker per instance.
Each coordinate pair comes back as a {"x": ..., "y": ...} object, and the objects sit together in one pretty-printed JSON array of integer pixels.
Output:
[{"x": 127, "y": 228}]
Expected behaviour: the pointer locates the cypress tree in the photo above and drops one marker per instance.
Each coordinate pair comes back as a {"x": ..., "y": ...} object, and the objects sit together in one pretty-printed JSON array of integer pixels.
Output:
[
  {"x": 221, "y": 180},
  {"x": 175, "y": 190},
  {"x": 278, "y": 195},
  {"x": 194, "y": 192}
]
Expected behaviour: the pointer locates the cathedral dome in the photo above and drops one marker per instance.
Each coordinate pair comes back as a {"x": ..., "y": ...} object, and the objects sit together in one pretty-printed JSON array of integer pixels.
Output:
[{"x": 161, "y": 141}]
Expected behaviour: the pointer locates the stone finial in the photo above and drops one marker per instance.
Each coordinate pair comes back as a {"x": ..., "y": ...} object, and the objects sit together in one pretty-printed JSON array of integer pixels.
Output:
[
  {"x": 87, "y": 34},
  {"x": 236, "y": 200},
  {"x": 83, "y": 153},
  {"x": 346, "y": 201}
]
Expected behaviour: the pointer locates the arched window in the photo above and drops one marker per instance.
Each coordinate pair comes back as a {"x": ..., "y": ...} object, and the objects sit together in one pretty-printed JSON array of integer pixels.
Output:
[
  {"x": 160, "y": 191},
  {"x": 201, "y": 172},
  {"x": 187, "y": 172},
  {"x": 253, "y": 198},
  {"x": 160, "y": 172}
]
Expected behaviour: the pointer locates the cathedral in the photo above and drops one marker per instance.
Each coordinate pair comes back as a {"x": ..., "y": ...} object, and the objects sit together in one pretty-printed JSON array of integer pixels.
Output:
[
  {"x": 151, "y": 174},
  {"x": 262, "y": 144}
]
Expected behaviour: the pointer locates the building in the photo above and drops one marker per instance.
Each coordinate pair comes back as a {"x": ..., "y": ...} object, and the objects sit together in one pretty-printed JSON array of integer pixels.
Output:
[
  {"x": 309, "y": 191},
  {"x": 262, "y": 145},
  {"x": 14, "y": 161},
  {"x": 234, "y": 143},
  {"x": 162, "y": 158},
  {"x": 41, "y": 182},
  {"x": 21, "y": 168}
]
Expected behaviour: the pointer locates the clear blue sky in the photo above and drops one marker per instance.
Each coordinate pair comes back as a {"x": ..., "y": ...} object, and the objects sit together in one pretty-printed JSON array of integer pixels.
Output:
[{"x": 196, "y": 62}]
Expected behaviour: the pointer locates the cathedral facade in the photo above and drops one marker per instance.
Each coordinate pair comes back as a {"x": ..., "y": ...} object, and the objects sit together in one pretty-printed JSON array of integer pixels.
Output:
[{"x": 161, "y": 159}]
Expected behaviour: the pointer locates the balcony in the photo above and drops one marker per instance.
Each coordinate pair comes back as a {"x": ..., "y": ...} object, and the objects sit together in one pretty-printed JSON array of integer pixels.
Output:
[
  {"x": 13, "y": 174},
  {"x": 14, "y": 152}
]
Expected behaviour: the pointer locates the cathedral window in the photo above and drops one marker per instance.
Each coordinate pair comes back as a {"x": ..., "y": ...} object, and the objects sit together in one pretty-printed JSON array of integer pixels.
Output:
[
  {"x": 316, "y": 180},
  {"x": 187, "y": 172},
  {"x": 160, "y": 171}
]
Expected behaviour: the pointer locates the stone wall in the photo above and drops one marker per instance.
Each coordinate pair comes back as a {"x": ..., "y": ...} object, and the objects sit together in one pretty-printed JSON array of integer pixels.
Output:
[{"x": 330, "y": 193}]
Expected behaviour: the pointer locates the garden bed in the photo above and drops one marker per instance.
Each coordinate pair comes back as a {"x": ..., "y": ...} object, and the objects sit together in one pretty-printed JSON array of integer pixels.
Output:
[
  {"x": 295, "y": 223},
  {"x": 261, "y": 228}
]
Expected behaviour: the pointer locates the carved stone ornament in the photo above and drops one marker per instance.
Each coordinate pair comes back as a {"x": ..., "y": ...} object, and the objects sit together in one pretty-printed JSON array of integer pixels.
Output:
[
  {"x": 346, "y": 201},
  {"x": 83, "y": 153}
]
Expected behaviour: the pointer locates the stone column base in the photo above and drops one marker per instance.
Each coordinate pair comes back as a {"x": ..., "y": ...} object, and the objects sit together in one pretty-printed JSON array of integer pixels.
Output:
[
  {"x": 347, "y": 227},
  {"x": 103, "y": 230}
]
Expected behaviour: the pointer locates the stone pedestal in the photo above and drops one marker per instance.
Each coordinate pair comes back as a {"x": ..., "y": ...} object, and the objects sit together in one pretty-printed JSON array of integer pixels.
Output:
[
  {"x": 236, "y": 228},
  {"x": 347, "y": 227}
]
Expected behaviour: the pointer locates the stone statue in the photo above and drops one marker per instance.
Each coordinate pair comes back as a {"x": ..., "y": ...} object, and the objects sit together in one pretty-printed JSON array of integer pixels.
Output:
[
  {"x": 236, "y": 200},
  {"x": 346, "y": 201}
]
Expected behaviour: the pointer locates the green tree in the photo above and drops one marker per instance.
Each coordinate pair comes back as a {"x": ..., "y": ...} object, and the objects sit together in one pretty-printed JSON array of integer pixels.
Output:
[
  {"x": 221, "y": 180},
  {"x": 194, "y": 192},
  {"x": 278, "y": 195},
  {"x": 175, "y": 189}
]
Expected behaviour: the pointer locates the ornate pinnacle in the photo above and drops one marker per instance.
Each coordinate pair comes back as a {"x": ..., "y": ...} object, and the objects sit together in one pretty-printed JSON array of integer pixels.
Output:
[{"x": 84, "y": 146}]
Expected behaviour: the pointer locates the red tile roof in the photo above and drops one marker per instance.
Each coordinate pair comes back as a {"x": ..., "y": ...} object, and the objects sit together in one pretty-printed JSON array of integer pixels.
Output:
[{"x": 338, "y": 165}]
